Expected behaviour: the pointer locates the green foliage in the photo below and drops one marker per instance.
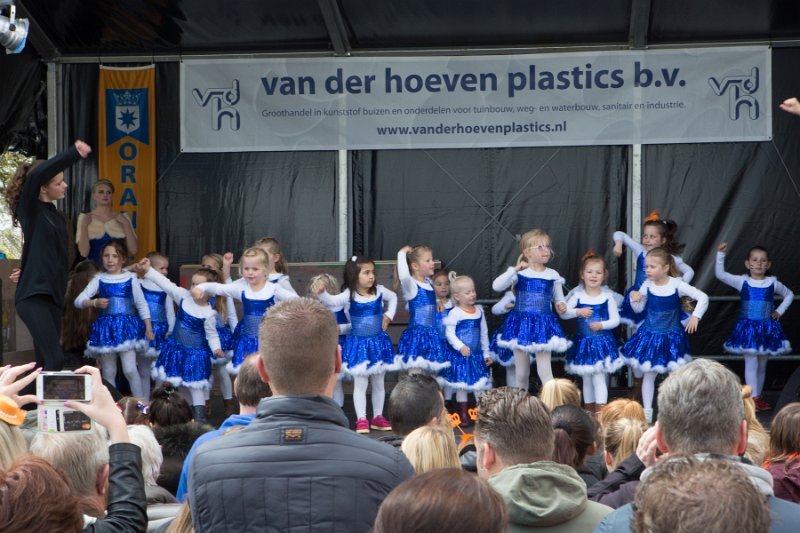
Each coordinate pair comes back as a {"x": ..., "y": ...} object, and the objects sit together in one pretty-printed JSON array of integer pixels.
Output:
[{"x": 10, "y": 237}]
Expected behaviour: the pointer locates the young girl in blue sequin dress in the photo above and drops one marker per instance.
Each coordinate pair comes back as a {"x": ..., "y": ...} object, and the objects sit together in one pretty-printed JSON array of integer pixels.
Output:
[
  {"x": 661, "y": 345},
  {"x": 117, "y": 333},
  {"x": 279, "y": 270},
  {"x": 531, "y": 327},
  {"x": 504, "y": 356},
  {"x": 185, "y": 359},
  {"x": 757, "y": 334},
  {"x": 655, "y": 232},
  {"x": 162, "y": 319},
  {"x": 327, "y": 283},
  {"x": 227, "y": 320},
  {"x": 367, "y": 353},
  {"x": 441, "y": 289},
  {"x": 419, "y": 346},
  {"x": 595, "y": 352},
  {"x": 468, "y": 339},
  {"x": 257, "y": 295}
]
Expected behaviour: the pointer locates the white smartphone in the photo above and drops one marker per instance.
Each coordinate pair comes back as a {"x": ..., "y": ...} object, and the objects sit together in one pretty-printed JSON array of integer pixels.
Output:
[
  {"x": 62, "y": 386},
  {"x": 54, "y": 418}
]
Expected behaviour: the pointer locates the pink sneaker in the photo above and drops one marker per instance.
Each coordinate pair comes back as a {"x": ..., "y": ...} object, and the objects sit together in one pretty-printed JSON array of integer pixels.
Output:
[
  {"x": 362, "y": 426},
  {"x": 381, "y": 424}
]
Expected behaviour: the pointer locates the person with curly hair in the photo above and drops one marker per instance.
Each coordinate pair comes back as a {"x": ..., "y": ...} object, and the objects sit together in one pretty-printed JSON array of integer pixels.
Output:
[{"x": 43, "y": 279}]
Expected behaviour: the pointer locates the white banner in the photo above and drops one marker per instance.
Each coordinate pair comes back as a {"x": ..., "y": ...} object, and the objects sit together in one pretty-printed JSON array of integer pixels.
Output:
[{"x": 587, "y": 98}]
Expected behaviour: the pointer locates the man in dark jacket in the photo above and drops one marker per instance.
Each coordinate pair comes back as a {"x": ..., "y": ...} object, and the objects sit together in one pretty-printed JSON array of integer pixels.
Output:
[
  {"x": 297, "y": 467},
  {"x": 701, "y": 413}
]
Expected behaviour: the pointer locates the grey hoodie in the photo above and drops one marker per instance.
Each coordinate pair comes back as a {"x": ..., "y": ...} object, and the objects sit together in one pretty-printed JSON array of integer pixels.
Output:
[{"x": 547, "y": 496}]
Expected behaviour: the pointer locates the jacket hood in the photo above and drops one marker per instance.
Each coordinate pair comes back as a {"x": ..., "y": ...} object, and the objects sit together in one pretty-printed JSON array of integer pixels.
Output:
[
  {"x": 540, "y": 494},
  {"x": 759, "y": 477}
]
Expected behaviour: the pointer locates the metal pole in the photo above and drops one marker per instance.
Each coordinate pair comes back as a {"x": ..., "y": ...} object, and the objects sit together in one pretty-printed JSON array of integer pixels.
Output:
[{"x": 342, "y": 197}]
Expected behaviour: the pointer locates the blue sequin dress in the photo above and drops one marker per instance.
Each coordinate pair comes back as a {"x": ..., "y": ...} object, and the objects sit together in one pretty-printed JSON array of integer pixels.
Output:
[
  {"x": 185, "y": 359},
  {"x": 626, "y": 313},
  {"x": 660, "y": 344},
  {"x": 440, "y": 327},
  {"x": 367, "y": 349},
  {"x": 470, "y": 372},
  {"x": 531, "y": 325},
  {"x": 756, "y": 332},
  {"x": 593, "y": 352},
  {"x": 117, "y": 328},
  {"x": 341, "y": 319},
  {"x": 245, "y": 337},
  {"x": 420, "y": 345},
  {"x": 157, "y": 302}
]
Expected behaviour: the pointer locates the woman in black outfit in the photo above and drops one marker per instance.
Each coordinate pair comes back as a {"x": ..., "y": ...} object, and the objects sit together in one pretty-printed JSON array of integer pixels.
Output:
[{"x": 43, "y": 280}]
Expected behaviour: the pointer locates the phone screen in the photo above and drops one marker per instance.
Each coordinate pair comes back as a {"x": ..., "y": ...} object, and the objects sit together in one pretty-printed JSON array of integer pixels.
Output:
[{"x": 64, "y": 387}]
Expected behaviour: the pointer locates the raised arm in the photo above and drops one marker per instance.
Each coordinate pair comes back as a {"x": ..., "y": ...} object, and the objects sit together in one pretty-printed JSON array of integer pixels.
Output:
[
  {"x": 725, "y": 277},
  {"x": 407, "y": 283},
  {"x": 622, "y": 238},
  {"x": 46, "y": 171},
  {"x": 82, "y": 234},
  {"x": 169, "y": 305},
  {"x": 234, "y": 290},
  {"x": 505, "y": 280},
  {"x": 335, "y": 300}
]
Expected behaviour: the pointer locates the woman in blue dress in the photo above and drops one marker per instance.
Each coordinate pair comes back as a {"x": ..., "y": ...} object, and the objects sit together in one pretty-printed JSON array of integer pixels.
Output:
[{"x": 102, "y": 224}]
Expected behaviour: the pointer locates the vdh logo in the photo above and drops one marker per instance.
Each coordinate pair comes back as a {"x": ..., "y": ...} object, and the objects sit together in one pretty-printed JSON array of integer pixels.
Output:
[
  {"x": 127, "y": 115},
  {"x": 740, "y": 91},
  {"x": 222, "y": 102}
]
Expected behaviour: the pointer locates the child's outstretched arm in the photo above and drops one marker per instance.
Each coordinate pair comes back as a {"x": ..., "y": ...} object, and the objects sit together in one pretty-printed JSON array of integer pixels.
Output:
[
  {"x": 173, "y": 291},
  {"x": 407, "y": 283},
  {"x": 505, "y": 280},
  {"x": 505, "y": 304},
  {"x": 621, "y": 238}
]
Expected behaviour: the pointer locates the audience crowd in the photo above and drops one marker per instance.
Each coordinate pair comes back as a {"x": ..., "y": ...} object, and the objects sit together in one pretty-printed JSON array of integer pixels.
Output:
[{"x": 288, "y": 460}]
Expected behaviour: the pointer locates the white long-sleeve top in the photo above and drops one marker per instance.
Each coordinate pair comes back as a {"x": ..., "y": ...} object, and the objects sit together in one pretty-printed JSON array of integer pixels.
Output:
[
  {"x": 343, "y": 299},
  {"x": 687, "y": 272},
  {"x": 500, "y": 309},
  {"x": 578, "y": 293},
  {"x": 93, "y": 287},
  {"x": 737, "y": 282},
  {"x": 455, "y": 316},
  {"x": 407, "y": 283},
  {"x": 189, "y": 306},
  {"x": 282, "y": 280},
  {"x": 235, "y": 289},
  {"x": 169, "y": 304},
  {"x": 344, "y": 329},
  {"x": 673, "y": 285},
  {"x": 509, "y": 279}
]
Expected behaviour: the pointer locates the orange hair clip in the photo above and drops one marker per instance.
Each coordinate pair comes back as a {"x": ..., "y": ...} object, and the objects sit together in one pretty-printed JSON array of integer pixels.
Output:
[
  {"x": 654, "y": 216},
  {"x": 589, "y": 253}
]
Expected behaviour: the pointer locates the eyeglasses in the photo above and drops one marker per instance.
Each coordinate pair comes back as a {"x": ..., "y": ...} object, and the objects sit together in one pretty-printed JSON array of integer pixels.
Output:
[{"x": 541, "y": 247}]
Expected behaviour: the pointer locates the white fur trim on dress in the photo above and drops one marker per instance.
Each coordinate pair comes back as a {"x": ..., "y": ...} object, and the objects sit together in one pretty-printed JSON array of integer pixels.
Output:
[
  {"x": 660, "y": 369},
  {"x": 220, "y": 361},
  {"x": 423, "y": 364},
  {"x": 554, "y": 345},
  {"x": 137, "y": 345},
  {"x": 232, "y": 370},
  {"x": 202, "y": 384},
  {"x": 786, "y": 347},
  {"x": 480, "y": 385}
]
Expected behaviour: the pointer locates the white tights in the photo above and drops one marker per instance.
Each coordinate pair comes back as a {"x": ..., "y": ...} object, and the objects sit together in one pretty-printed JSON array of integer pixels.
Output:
[
  {"x": 194, "y": 396},
  {"x": 595, "y": 389},
  {"x": 338, "y": 393},
  {"x": 108, "y": 367},
  {"x": 522, "y": 361},
  {"x": 462, "y": 396},
  {"x": 511, "y": 376},
  {"x": 360, "y": 384},
  {"x": 220, "y": 374},
  {"x": 144, "y": 364},
  {"x": 755, "y": 371},
  {"x": 648, "y": 389}
]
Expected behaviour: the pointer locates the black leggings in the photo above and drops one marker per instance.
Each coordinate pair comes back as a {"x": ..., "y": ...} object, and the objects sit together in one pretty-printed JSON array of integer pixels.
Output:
[{"x": 43, "y": 318}]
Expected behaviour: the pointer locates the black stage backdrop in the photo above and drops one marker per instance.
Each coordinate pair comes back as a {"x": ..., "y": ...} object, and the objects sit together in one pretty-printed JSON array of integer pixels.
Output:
[{"x": 470, "y": 205}]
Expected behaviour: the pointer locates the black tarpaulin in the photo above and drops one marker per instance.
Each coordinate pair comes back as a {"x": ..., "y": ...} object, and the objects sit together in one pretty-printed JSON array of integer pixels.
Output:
[{"x": 21, "y": 83}]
